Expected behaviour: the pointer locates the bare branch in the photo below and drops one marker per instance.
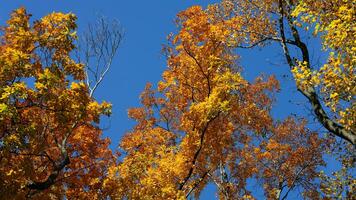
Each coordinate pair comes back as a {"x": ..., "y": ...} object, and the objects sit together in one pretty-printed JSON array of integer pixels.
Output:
[{"x": 97, "y": 49}]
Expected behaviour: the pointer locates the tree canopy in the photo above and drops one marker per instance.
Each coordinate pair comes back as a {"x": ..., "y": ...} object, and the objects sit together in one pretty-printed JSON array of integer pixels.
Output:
[{"x": 202, "y": 123}]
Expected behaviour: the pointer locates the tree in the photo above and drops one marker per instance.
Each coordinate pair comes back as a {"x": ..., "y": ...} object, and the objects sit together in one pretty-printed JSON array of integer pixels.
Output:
[
  {"x": 51, "y": 144},
  {"x": 206, "y": 124}
]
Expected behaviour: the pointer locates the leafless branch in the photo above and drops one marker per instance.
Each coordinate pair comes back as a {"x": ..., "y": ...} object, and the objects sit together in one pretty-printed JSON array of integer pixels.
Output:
[{"x": 96, "y": 50}]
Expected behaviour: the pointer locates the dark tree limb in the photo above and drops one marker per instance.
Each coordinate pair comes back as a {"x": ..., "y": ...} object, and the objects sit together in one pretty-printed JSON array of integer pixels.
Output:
[
  {"x": 52, "y": 177},
  {"x": 196, "y": 184},
  {"x": 195, "y": 157},
  {"x": 57, "y": 168}
]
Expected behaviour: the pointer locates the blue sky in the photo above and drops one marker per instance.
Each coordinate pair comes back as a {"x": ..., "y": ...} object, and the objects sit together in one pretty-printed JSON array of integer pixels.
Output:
[{"x": 146, "y": 25}]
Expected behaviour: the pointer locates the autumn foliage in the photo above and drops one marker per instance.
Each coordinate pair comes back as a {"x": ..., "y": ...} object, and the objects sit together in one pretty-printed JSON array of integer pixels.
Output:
[
  {"x": 50, "y": 145},
  {"x": 203, "y": 123}
]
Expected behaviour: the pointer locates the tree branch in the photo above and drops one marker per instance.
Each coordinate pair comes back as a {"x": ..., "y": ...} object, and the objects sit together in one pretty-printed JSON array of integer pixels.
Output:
[
  {"x": 195, "y": 157},
  {"x": 101, "y": 43},
  {"x": 196, "y": 184}
]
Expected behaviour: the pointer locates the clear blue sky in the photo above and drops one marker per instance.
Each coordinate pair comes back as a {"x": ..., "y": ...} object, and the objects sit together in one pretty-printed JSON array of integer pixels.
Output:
[{"x": 146, "y": 25}]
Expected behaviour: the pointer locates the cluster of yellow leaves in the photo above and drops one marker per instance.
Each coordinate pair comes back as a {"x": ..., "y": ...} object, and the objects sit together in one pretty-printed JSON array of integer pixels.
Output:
[
  {"x": 335, "y": 21},
  {"x": 42, "y": 124},
  {"x": 337, "y": 85},
  {"x": 304, "y": 76}
]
